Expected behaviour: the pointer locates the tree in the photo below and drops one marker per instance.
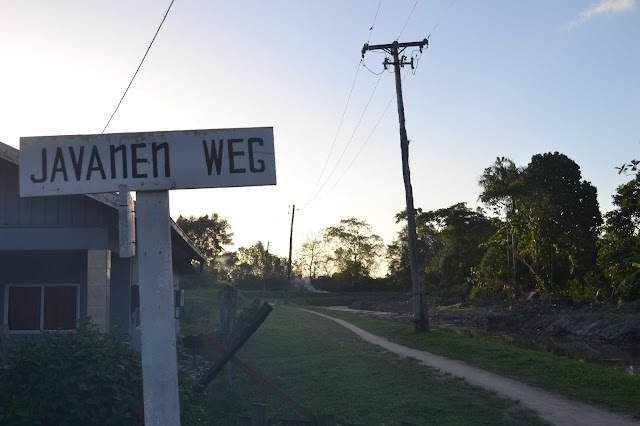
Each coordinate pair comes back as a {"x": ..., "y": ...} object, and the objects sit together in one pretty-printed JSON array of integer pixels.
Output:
[
  {"x": 555, "y": 216},
  {"x": 253, "y": 267},
  {"x": 449, "y": 245},
  {"x": 356, "y": 248},
  {"x": 209, "y": 234},
  {"x": 562, "y": 218},
  {"x": 313, "y": 256},
  {"x": 502, "y": 184},
  {"x": 620, "y": 242},
  {"x": 462, "y": 233}
]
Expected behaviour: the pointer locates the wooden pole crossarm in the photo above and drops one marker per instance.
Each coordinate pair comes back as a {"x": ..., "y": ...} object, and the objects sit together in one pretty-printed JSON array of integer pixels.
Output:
[{"x": 388, "y": 47}]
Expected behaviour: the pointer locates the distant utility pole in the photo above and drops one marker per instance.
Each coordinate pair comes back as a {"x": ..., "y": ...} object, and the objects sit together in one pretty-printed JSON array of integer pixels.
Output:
[
  {"x": 264, "y": 272},
  {"x": 420, "y": 315},
  {"x": 286, "y": 291}
]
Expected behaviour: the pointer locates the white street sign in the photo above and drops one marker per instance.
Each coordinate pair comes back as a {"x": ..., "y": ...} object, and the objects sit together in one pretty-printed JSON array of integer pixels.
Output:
[
  {"x": 147, "y": 161},
  {"x": 153, "y": 163}
]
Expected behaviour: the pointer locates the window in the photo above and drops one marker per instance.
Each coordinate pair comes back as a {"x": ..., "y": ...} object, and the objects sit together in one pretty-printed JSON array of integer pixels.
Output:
[{"x": 35, "y": 307}]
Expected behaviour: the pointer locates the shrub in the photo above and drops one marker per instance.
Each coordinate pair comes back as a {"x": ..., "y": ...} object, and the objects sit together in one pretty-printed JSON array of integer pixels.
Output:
[
  {"x": 81, "y": 377},
  {"x": 70, "y": 378},
  {"x": 586, "y": 289}
]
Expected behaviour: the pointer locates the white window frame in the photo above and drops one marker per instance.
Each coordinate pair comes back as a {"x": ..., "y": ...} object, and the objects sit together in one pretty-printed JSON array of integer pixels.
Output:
[{"x": 42, "y": 287}]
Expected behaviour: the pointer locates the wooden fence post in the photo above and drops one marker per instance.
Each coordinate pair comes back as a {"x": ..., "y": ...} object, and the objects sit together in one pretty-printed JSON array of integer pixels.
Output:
[
  {"x": 227, "y": 298},
  {"x": 240, "y": 338},
  {"x": 326, "y": 420},
  {"x": 259, "y": 415}
]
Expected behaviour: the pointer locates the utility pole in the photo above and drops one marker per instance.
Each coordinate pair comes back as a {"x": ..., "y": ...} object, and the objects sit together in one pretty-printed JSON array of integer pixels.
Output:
[
  {"x": 264, "y": 272},
  {"x": 286, "y": 291},
  {"x": 420, "y": 315}
]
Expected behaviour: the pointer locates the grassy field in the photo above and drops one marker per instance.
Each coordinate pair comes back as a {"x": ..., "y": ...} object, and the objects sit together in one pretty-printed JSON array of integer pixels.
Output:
[
  {"x": 581, "y": 380},
  {"x": 320, "y": 299},
  {"x": 328, "y": 370}
]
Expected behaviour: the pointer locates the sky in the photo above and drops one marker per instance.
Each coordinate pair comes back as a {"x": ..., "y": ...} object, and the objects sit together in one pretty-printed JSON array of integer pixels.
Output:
[{"x": 499, "y": 79}]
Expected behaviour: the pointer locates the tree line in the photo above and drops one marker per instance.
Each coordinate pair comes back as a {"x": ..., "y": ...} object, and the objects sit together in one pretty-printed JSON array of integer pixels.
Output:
[
  {"x": 540, "y": 231},
  {"x": 343, "y": 257}
]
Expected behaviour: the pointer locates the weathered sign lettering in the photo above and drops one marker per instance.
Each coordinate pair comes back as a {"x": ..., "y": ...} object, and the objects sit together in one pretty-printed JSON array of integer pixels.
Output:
[{"x": 55, "y": 165}]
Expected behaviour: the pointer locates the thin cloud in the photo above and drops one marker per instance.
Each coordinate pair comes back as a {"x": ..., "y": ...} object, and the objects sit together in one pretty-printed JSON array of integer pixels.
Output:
[{"x": 609, "y": 7}]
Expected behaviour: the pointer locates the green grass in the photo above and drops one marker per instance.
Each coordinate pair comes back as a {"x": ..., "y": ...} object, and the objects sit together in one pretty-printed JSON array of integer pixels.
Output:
[
  {"x": 202, "y": 311},
  {"x": 581, "y": 380},
  {"x": 328, "y": 370},
  {"x": 319, "y": 299}
]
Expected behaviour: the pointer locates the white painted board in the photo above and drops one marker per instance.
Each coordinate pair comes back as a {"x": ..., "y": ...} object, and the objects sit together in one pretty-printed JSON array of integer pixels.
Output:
[{"x": 147, "y": 161}]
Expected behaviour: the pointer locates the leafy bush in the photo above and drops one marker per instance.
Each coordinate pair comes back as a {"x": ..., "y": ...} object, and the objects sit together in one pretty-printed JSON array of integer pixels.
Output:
[
  {"x": 72, "y": 378},
  {"x": 629, "y": 288},
  {"x": 192, "y": 401},
  {"x": 81, "y": 377},
  {"x": 490, "y": 277},
  {"x": 587, "y": 288}
]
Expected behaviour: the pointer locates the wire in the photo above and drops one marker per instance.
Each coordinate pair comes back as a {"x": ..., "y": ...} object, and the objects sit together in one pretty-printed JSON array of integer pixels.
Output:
[
  {"x": 355, "y": 77},
  {"x": 371, "y": 71},
  {"x": 339, "y": 126},
  {"x": 352, "y": 135},
  {"x": 368, "y": 137},
  {"x": 409, "y": 17},
  {"x": 417, "y": 55},
  {"x": 141, "y": 62},
  {"x": 440, "y": 20},
  {"x": 364, "y": 64},
  {"x": 316, "y": 191},
  {"x": 374, "y": 21}
]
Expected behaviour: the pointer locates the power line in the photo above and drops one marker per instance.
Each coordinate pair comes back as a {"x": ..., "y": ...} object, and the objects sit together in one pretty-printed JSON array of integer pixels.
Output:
[
  {"x": 374, "y": 21},
  {"x": 409, "y": 17},
  {"x": 355, "y": 77},
  {"x": 352, "y": 135},
  {"x": 441, "y": 18},
  {"x": 368, "y": 137},
  {"x": 316, "y": 191},
  {"x": 335, "y": 138},
  {"x": 141, "y": 62},
  {"x": 370, "y": 70},
  {"x": 365, "y": 110},
  {"x": 413, "y": 71}
]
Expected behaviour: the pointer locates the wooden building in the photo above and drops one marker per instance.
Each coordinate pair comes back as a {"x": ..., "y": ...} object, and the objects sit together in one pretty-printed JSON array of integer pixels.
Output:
[{"x": 60, "y": 259}]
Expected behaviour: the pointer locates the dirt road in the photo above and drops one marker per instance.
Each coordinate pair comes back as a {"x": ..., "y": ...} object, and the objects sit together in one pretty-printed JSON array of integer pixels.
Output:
[{"x": 554, "y": 408}]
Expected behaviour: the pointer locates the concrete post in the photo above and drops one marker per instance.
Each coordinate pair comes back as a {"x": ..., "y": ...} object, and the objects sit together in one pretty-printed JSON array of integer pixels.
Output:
[{"x": 159, "y": 360}]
